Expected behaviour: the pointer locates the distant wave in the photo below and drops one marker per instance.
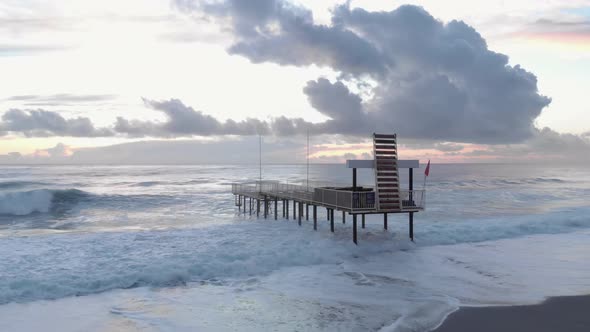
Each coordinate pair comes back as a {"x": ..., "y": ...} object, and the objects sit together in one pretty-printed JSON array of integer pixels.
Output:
[
  {"x": 488, "y": 183},
  {"x": 146, "y": 184},
  {"x": 496, "y": 228},
  {"x": 18, "y": 184},
  {"x": 37, "y": 201}
]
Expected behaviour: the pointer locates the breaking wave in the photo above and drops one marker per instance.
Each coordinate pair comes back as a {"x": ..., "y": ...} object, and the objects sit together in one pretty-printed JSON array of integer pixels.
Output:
[{"x": 38, "y": 201}]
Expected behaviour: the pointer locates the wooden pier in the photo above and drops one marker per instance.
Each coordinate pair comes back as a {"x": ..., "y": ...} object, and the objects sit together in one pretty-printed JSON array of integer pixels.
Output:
[{"x": 385, "y": 197}]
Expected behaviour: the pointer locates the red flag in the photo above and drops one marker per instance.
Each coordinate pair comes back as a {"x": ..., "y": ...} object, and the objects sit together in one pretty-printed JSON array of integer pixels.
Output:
[{"x": 427, "y": 170}]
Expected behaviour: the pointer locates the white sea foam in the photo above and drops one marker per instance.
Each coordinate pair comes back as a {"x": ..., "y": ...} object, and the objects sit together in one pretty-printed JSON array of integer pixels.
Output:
[
  {"x": 378, "y": 287},
  {"x": 25, "y": 202},
  {"x": 162, "y": 248}
]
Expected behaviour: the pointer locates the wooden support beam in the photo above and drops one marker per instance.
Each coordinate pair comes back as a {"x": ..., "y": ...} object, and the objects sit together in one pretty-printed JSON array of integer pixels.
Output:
[
  {"x": 385, "y": 221},
  {"x": 332, "y": 220},
  {"x": 411, "y": 221},
  {"x": 287, "y": 209},
  {"x": 265, "y": 206},
  {"x": 306, "y": 211},
  {"x": 294, "y": 210},
  {"x": 257, "y": 208},
  {"x": 276, "y": 208},
  {"x": 344, "y": 217},
  {"x": 354, "y": 229},
  {"x": 328, "y": 214},
  {"x": 250, "y": 204},
  {"x": 300, "y": 206},
  {"x": 315, "y": 218},
  {"x": 363, "y": 221}
]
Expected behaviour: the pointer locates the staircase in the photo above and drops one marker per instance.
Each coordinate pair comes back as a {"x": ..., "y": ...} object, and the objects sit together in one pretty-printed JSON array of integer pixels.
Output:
[{"x": 386, "y": 172}]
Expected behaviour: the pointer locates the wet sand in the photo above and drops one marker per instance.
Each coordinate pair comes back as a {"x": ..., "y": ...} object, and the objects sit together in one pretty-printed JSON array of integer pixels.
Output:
[{"x": 568, "y": 314}]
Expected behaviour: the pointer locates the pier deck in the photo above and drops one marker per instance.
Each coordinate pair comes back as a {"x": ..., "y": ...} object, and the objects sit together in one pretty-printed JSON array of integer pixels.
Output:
[{"x": 383, "y": 198}]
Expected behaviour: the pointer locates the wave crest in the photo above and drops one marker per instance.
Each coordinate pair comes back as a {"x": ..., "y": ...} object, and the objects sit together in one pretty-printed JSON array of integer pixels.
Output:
[{"x": 37, "y": 201}]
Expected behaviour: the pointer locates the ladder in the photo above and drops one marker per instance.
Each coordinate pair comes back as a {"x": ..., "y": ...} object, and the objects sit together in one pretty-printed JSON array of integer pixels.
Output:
[{"x": 386, "y": 172}]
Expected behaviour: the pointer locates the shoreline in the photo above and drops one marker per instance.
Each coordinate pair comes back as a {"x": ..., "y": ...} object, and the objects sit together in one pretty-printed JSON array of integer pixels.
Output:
[{"x": 563, "y": 313}]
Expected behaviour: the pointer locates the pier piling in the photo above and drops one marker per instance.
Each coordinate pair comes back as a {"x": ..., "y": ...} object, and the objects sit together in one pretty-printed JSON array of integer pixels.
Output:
[
  {"x": 354, "y": 229},
  {"x": 344, "y": 217},
  {"x": 385, "y": 221},
  {"x": 363, "y": 221},
  {"x": 315, "y": 218},
  {"x": 411, "y": 221},
  {"x": 265, "y": 206},
  {"x": 332, "y": 220}
]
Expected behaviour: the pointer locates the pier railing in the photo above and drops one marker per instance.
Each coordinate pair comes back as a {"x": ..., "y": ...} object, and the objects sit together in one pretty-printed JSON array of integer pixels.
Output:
[{"x": 328, "y": 195}]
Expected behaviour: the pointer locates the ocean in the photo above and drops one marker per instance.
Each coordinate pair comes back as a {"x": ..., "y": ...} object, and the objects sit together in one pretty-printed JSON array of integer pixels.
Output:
[{"x": 163, "y": 248}]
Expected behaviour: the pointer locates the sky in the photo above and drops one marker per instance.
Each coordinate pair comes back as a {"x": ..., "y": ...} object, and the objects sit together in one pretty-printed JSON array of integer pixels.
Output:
[{"x": 178, "y": 81}]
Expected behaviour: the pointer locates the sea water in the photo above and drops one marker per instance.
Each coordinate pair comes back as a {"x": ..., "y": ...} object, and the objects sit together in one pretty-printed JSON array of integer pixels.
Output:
[{"x": 163, "y": 248}]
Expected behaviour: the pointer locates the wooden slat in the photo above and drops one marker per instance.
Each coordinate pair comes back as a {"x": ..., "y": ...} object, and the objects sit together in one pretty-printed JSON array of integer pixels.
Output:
[
  {"x": 380, "y": 152},
  {"x": 384, "y": 136},
  {"x": 393, "y": 173},
  {"x": 385, "y": 157},
  {"x": 386, "y": 141},
  {"x": 385, "y": 147},
  {"x": 388, "y": 191},
  {"x": 388, "y": 185}
]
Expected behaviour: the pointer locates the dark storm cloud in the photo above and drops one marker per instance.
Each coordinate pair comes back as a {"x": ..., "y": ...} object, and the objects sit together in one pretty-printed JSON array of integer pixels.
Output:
[
  {"x": 433, "y": 80},
  {"x": 41, "y": 123}
]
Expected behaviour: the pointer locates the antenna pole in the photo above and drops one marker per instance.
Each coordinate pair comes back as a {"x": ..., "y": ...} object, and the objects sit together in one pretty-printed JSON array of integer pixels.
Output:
[
  {"x": 308, "y": 159},
  {"x": 260, "y": 156}
]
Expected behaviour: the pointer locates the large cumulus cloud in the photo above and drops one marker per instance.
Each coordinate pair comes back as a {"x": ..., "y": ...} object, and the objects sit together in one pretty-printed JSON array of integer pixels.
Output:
[
  {"x": 419, "y": 77},
  {"x": 434, "y": 80}
]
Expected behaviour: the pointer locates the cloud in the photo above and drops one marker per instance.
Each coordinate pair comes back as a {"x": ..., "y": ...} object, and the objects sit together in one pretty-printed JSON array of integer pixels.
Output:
[
  {"x": 182, "y": 120},
  {"x": 21, "y": 49},
  {"x": 430, "y": 80},
  {"x": 41, "y": 123},
  {"x": 59, "y": 99},
  {"x": 448, "y": 147},
  {"x": 546, "y": 144},
  {"x": 573, "y": 31}
]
